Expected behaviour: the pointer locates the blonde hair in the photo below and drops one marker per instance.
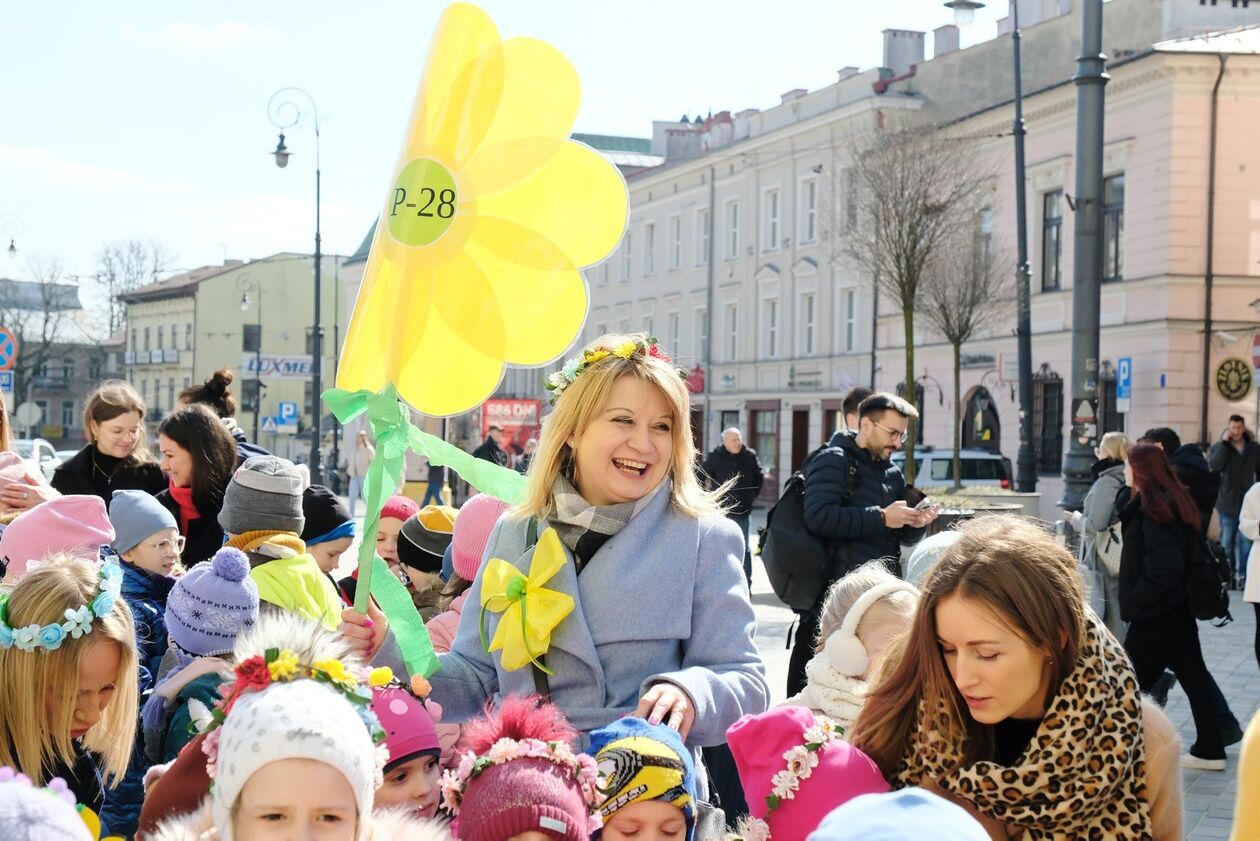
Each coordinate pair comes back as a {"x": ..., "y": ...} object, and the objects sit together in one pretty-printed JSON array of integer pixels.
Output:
[
  {"x": 897, "y": 605},
  {"x": 111, "y": 399},
  {"x": 1115, "y": 445},
  {"x": 33, "y": 738},
  {"x": 582, "y": 401}
]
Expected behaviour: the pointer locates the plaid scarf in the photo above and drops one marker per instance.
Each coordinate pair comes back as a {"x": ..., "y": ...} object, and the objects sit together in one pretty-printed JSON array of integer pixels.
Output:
[{"x": 583, "y": 527}]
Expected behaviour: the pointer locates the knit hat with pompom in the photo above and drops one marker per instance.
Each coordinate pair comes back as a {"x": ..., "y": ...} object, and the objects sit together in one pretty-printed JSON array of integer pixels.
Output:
[{"x": 211, "y": 604}]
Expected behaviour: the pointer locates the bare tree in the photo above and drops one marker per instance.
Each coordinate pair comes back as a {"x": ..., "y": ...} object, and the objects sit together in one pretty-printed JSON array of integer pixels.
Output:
[
  {"x": 38, "y": 312},
  {"x": 911, "y": 184},
  {"x": 125, "y": 264},
  {"x": 964, "y": 293}
]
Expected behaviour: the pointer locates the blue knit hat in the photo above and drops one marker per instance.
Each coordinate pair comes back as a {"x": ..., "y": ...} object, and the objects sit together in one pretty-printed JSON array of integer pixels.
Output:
[
  {"x": 642, "y": 762},
  {"x": 906, "y": 815},
  {"x": 211, "y": 604},
  {"x": 135, "y": 515}
]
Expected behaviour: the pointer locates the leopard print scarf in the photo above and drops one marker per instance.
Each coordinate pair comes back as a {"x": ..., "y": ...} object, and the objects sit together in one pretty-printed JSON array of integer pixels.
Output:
[{"x": 1083, "y": 775}]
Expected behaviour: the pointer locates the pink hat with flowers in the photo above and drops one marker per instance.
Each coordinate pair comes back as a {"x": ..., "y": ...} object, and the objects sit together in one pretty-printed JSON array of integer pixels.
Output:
[
  {"x": 406, "y": 716},
  {"x": 795, "y": 768}
]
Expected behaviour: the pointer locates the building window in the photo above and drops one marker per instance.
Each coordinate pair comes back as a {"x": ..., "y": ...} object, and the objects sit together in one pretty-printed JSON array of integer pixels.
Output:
[
  {"x": 807, "y": 329},
  {"x": 671, "y": 333},
  {"x": 161, "y": 331},
  {"x": 94, "y": 367},
  {"x": 649, "y": 248},
  {"x": 146, "y": 339},
  {"x": 675, "y": 242},
  {"x": 134, "y": 347},
  {"x": 765, "y": 436},
  {"x": 43, "y": 410},
  {"x": 732, "y": 230},
  {"x": 1109, "y": 420},
  {"x": 984, "y": 242},
  {"x": 310, "y": 341},
  {"x": 174, "y": 337},
  {"x": 627, "y": 258},
  {"x": 67, "y": 368},
  {"x": 730, "y": 321},
  {"x": 1113, "y": 228},
  {"x": 649, "y": 325},
  {"x": 770, "y": 328},
  {"x": 251, "y": 338},
  {"x": 170, "y": 392},
  {"x": 1051, "y": 240},
  {"x": 187, "y": 382},
  {"x": 846, "y": 326},
  {"x": 770, "y": 221},
  {"x": 919, "y": 404},
  {"x": 249, "y": 395},
  {"x": 702, "y": 334},
  {"x": 188, "y": 336},
  {"x": 849, "y": 197},
  {"x": 67, "y": 413},
  {"x": 702, "y": 236},
  {"x": 809, "y": 210},
  {"x": 1048, "y": 421}
]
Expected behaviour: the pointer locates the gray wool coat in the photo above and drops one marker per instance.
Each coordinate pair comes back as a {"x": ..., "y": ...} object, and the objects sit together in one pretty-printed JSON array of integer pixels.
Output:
[{"x": 664, "y": 600}]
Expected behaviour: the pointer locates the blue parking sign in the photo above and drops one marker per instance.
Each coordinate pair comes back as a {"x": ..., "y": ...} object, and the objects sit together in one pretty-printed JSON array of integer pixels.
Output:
[
  {"x": 1124, "y": 378},
  {"x": 6, "y": 382},
  {"x": 288, "y": 411}
]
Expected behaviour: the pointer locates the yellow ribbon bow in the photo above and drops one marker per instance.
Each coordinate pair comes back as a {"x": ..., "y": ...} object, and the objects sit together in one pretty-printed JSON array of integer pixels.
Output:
[{"x": 530, "y": 611}]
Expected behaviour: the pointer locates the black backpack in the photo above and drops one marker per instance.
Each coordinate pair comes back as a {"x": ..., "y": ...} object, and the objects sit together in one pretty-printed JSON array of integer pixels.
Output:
[
  {"x": 798, "y": 562},
  {"x": 1207, "y": 580}
]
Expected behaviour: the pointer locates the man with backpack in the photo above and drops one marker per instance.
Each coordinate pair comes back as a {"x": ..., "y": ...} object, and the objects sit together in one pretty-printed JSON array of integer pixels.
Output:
[{"x": 855, "y": 499}]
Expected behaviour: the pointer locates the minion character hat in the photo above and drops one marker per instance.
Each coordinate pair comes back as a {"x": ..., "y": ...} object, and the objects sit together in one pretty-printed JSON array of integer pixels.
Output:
[{"x": 641, "y": 762}]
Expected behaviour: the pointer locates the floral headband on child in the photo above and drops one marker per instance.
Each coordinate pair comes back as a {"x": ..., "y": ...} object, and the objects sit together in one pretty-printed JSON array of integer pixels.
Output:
[
  {"x": 580, "y": 767},
  {"x": 281, "y": 666},
  {"x": 576, "y": 366},
  {"x": 800, "y": 763},
  {"x": 78, "y": 620}
]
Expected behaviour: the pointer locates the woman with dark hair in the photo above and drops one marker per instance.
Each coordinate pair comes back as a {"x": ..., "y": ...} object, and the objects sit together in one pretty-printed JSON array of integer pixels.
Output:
[
  {"x": 216, "y": 393},
  {"x": 199, "y": 457},
  {"x": 1161, "y": 526}
]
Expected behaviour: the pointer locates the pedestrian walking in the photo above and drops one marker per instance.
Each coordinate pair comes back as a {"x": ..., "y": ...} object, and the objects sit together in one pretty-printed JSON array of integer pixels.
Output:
[
  {"x": 1236, "y": 457},
  {"x": 735, "y": 467},
  {"x": 491, "y": 449},
  {"x": 433, "y": 490},
  {"x": 1098, "y": 515},
  {"x": 357, "y": 468}
]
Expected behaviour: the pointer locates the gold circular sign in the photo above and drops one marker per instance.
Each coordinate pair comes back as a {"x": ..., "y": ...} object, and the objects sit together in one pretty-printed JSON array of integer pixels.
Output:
[{"x": 1233, "y": 379}]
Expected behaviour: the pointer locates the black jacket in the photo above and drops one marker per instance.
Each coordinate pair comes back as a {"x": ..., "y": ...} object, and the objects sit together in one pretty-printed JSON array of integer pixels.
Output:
[
  {"x": 204, "y": 537},
  {"x": 1192, "y": 471},
  {"x": 1152, "y": 565},
  {"x": 76, "y": 476},
  {"x": 1239, "y": 471},
  {"x": 491, "y": 451},
  {"x": 856, "y": 531},
  {"x": 721, "y": 466},
  {"x": 244, "y": 449}
]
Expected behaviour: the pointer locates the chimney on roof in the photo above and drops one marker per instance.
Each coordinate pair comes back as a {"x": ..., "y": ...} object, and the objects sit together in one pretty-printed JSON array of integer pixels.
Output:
[
  {"x": 227, "y": 264},
  {"x": 944, "y": 40},
  {"x": 903, "y": 48},
  {"x": 794, "y": 93},
  {"x": 848, "y": 72}
]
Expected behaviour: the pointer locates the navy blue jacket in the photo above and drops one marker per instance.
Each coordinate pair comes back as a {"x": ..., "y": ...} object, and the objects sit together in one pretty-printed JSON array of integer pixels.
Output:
[
  {"x": 855, "y": 531},
  {"x": 145, "y": 593}
]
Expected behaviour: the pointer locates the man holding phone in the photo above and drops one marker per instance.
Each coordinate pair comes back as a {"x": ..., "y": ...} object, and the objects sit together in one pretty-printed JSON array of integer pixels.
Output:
[{"x": 858, "y": 501}]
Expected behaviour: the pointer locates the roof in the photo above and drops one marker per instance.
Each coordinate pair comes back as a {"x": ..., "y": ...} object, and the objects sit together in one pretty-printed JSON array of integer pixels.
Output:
[
  {"x": 32, "y": 295},
  {"x": 1244, "y": 40},
  {"x": 614, "y": 143},
  {"x": 361, "y": 253},
  {"x": 184, "y": 283}
]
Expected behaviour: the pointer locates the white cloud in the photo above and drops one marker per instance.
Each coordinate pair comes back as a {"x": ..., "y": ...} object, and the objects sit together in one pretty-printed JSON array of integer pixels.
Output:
[
  {"x": 199, "y": 38},
  {"x": 50, "y": 169}
]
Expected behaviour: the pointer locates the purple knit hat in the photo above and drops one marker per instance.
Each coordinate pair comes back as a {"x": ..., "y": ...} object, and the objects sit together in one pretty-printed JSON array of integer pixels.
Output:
[{"x": 211, "y": 604}]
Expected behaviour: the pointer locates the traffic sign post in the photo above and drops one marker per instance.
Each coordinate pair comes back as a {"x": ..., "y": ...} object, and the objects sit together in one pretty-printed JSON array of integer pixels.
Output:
[
  {"x": 1124, "y": 383},
  {"x": 8, "y": 349},
  {"x": 288, "y": 411},
  {"x": 269, "y": 425},
  {"x": 6, "y": 382}
]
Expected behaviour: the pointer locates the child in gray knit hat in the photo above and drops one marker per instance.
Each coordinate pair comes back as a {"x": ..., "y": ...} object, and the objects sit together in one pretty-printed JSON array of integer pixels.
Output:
[{"x": 265, "y": 494}]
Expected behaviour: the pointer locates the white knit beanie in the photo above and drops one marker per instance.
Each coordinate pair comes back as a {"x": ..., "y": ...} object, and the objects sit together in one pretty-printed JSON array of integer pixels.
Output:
[{"x": 300, "y": 719}]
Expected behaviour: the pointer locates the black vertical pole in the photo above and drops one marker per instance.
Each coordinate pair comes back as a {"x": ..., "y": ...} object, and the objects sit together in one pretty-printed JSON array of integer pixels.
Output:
[{"x": 1025, "y": 463}]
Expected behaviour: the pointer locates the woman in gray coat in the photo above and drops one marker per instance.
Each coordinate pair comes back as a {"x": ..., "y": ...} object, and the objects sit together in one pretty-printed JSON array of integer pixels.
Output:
[
  {"x": 660, "y": 624},
  {"x": 1100, "y": 514}
]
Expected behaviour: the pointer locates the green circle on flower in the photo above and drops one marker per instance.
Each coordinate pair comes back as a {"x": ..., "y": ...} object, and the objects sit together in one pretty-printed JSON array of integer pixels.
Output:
[
  {"x": 423, "y": 203},
  {"x": 516, "y": 588}
]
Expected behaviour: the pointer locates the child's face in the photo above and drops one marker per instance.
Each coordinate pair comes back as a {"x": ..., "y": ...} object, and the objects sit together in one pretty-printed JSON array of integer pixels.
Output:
[
  {"x": 158, "y": 553},
  {"x": 877, "y": 638},
  {"x": 328, "y": 554},
  {"x": 99, "y": 669},
  {"x": 651, "y": 820},
  {"x": 387, "y": 540},
  {"x": 412, "y": 785},
  {"x": 296, "y": 798},
  {"x": 423, "y": 581}
]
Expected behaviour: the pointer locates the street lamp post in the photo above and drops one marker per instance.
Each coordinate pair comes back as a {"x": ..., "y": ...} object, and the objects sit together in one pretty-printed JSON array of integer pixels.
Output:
[
  {"x": 12, "y": 226},
  {"x": 286, "y": 113},
  {"x": 1090, "y": 80},
  {"x": 247, "y": 283},
  {"x": 1025, "y": 460}
]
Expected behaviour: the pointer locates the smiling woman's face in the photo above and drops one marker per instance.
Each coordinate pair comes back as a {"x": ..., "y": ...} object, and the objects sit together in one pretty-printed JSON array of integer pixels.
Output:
[{"x": 625, "y": 451}]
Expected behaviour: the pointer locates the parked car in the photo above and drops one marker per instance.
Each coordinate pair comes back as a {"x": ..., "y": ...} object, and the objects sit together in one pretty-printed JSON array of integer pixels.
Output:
[
  {"x": 934, "y": 468},
  {"x": 39, "y": 454},
  {"x": 65, "y": 455}
]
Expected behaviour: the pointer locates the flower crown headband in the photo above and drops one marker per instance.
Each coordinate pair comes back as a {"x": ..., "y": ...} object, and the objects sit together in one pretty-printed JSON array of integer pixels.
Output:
[
  {"x": 279, "y": 665},
  {"x": 581, "y": 768},
  {"x": 801, "y": 762},
  {"x": 577, "y": 365},
  {"x": 78, "y": 620}
]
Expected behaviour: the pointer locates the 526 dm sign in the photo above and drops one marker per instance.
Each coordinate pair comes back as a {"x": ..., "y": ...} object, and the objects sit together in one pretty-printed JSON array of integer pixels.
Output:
[
  {"x": 1233, "y": 379},
  {"x": 423, "y": 204}
]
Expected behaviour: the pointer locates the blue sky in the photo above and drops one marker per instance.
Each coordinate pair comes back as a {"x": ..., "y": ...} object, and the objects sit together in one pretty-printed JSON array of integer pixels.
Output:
[{"x": 148, "y": 119}]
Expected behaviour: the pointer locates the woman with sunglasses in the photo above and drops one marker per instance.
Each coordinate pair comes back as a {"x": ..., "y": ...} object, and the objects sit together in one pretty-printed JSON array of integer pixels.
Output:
[{"x": 198, "y": 457}]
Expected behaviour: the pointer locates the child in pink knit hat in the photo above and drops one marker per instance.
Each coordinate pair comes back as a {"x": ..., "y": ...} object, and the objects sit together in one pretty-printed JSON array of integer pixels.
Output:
[
  {"x": 472, "y": 531},
  {"x": 77, "y": 525},
  {"x": 396, "y": 511},
  {"x": 518, "y": 776},
  {"x": 795, "y": 768},
  {"x": 412, "y": 772}
]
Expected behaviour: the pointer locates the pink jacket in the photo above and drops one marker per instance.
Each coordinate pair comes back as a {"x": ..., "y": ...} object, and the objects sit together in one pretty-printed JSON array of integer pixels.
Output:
[{"x": 442, "y": 627}]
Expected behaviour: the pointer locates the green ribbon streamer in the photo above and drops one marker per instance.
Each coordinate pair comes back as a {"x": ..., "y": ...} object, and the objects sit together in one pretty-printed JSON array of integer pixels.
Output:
[{"x": 409, "y": 631}]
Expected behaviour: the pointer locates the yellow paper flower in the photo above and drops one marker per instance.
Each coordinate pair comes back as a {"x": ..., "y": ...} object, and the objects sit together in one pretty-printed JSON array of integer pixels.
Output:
[
  {"x": 491, "y": 214},
  {"x": 530, "y": 611},
  {"x": 626, "y": 350},
  {"x": 380, "y": 677},
  {"x": 596, "y": 355},
  {"x": 284, "y": 666},
  {"x": 336, "y": 672}
]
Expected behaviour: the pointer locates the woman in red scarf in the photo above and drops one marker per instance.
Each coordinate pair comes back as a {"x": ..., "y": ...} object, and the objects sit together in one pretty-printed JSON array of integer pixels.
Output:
[{"x": 198, "y": 457}]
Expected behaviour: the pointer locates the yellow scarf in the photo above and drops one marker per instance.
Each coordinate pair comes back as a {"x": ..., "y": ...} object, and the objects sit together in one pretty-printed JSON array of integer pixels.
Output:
[
  {"x": 292, "y": 580},
  {"x": 251, "y": 541}
]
